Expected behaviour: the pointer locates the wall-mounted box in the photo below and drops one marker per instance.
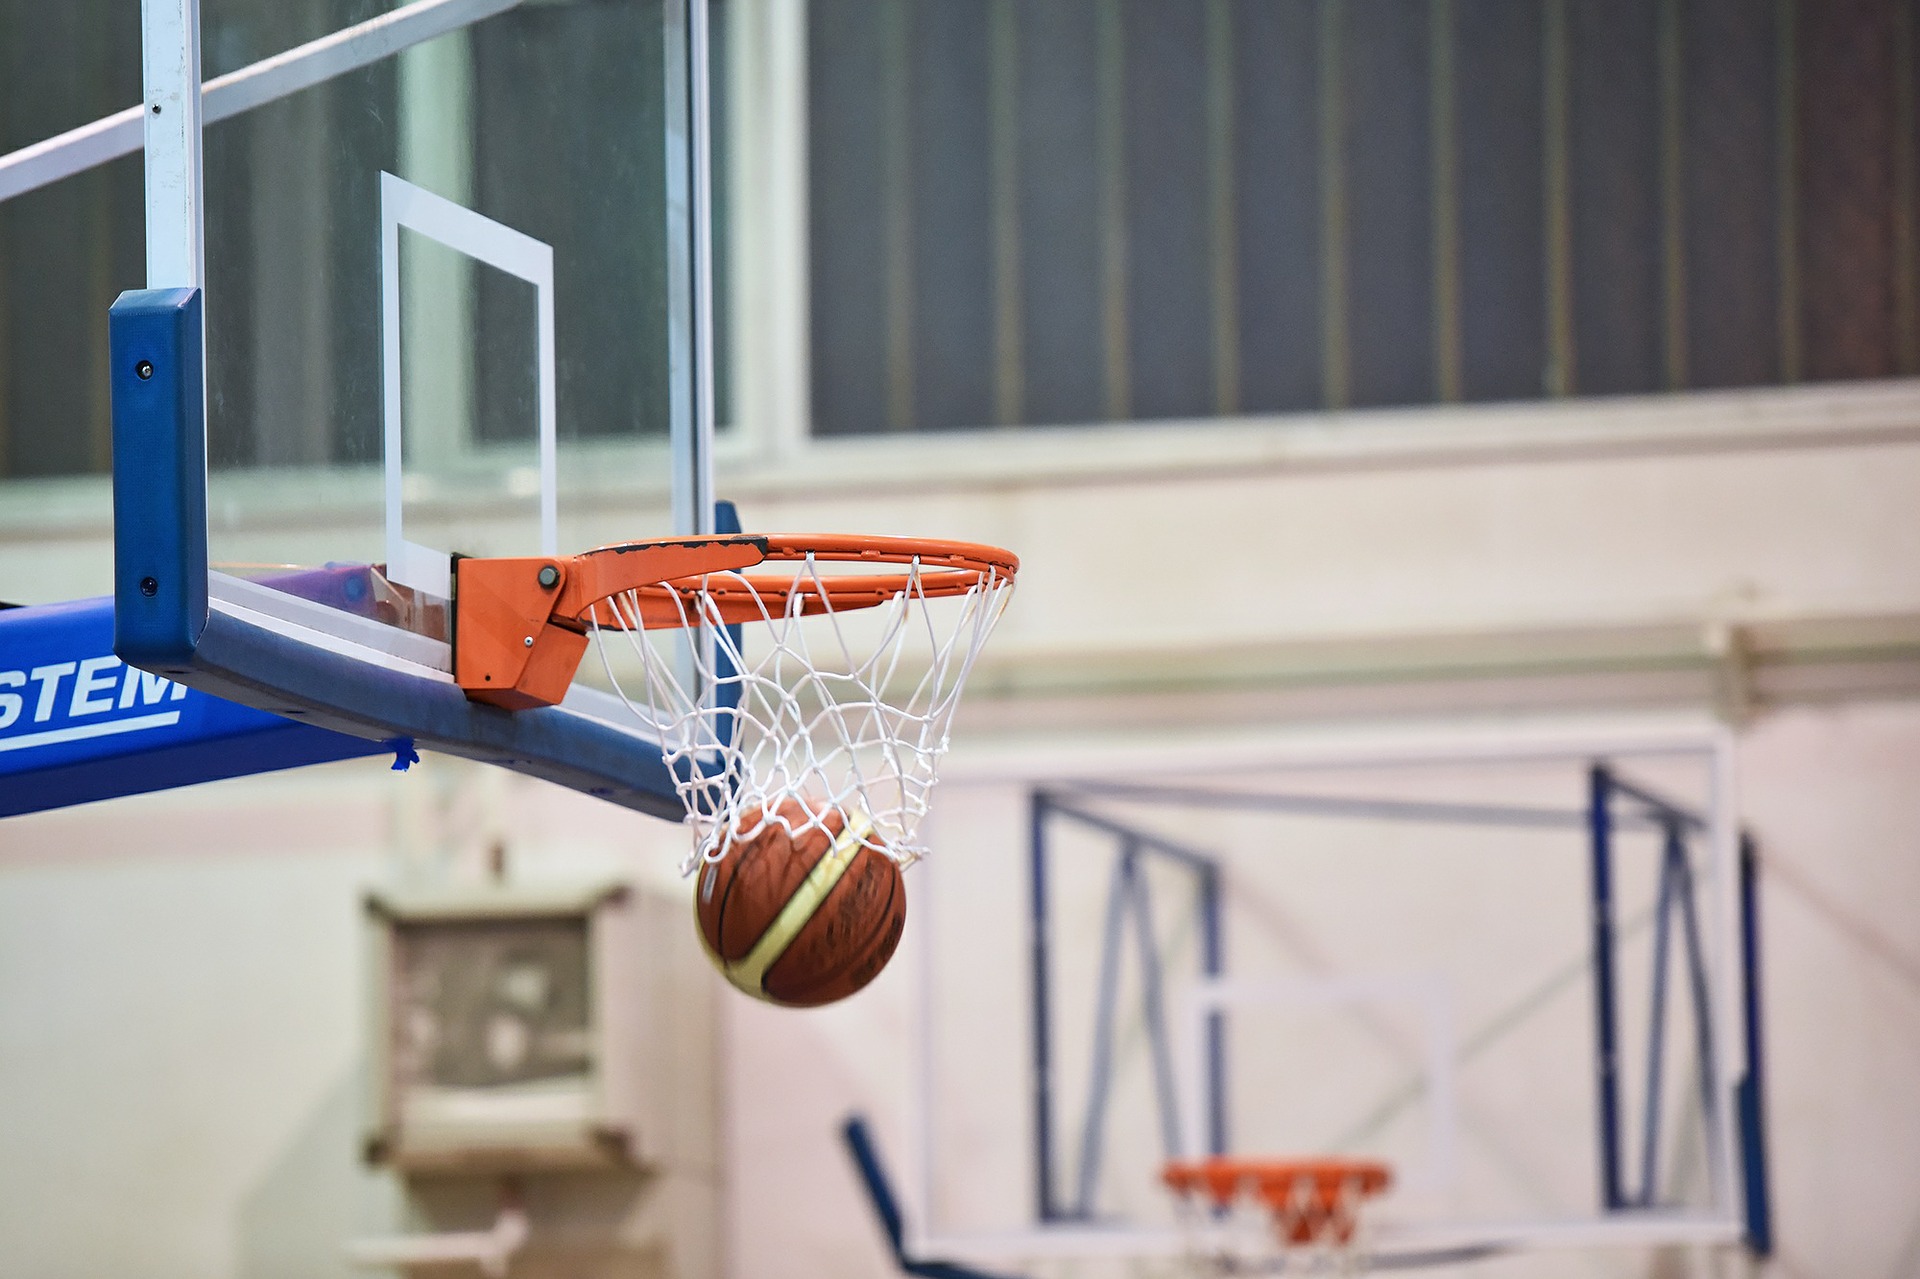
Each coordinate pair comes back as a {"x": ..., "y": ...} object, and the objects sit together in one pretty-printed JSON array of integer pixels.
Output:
[{"x": 515, "y": 1029}]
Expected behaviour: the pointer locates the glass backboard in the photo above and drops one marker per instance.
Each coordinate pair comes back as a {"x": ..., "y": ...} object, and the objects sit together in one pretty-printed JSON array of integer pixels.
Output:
[
  {"x": 452, "y": 290},
  {"x": 1511, "y": 969}
]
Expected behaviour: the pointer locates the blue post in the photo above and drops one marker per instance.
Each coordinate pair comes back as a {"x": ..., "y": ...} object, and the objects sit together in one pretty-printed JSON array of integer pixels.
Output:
[
  {"x": 1606, "y": 1050},
  {"x": 1753, "y": 1132}
]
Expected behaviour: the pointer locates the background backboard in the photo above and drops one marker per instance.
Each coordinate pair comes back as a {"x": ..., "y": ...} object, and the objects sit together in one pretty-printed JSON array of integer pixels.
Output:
[
  {"x": 453, "y": 268},
  {"x": 1517, "y": 976}
]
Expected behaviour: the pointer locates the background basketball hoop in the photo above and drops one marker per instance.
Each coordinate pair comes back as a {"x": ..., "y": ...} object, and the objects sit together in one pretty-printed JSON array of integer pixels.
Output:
[{"x": 1313, "y": 1205}]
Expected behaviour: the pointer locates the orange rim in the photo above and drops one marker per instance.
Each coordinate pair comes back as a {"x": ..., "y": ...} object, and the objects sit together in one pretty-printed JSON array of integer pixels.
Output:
[
  {"x": 1311, "y": 1199},
  {"x": 1231, "y": 1172},
  {"x": 946, "y": 569}
]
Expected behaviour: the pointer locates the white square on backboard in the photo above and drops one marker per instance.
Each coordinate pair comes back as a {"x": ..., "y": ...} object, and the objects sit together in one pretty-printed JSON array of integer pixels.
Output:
[{"x": 403, "y": 204}]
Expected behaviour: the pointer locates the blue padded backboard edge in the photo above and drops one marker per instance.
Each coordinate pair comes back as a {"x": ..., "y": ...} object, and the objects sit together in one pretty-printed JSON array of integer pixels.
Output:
[{"x": 159, "y": 478}]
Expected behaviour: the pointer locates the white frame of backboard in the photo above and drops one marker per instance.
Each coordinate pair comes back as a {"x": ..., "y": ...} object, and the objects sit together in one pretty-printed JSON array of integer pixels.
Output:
[
  {"x": 402, "y": 204},
  {"x": 1155, "y": 757}
]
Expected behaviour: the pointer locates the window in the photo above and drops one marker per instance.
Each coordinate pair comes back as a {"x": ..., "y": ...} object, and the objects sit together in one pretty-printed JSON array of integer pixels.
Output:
[
  {"x": 1101, "y": 210},
  {"x": 291, "y": 192}
]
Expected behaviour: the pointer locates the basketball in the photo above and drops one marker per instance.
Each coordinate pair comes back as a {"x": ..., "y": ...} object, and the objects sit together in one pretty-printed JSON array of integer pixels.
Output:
[{"x": 800, "y": 908}]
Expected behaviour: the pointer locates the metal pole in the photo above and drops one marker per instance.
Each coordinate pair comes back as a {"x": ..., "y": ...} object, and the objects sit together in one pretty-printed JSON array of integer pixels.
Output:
[
  {"x": 1213, "y": 966},
  {"x": 1606, "y": 1059},
  {"x": 1153, "y": 999},
  {"x": 693, "y": 430},
  {"x": 170, "y": 54},
  {"x": 1671, "y": 864},
  {"x": 1044, "y": 1205},
  {"x": 1710, "y": 1097},
  {"x": 1120, "y": 896},
  {"x": 1753, "y": 1132}
]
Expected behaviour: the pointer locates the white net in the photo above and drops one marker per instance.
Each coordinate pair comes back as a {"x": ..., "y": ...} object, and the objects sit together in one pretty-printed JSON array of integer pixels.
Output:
[
  {"x": 1271, "y": 1220},
  {"x": 811, "y": 709}
]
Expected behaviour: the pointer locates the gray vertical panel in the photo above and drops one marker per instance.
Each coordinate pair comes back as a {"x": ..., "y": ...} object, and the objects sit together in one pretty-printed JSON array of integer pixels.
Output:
[
  {"x": 953, "y": 264},
  {"x": 228, "y": 42},
  {"x": 1501, "y": 185},
  {"x": 896, "y": 203},
  {"x": 543, "y": 164},
  {"x": 1387, "y": 151},
  {"x": 1444, "y": 187},
  {"x": 1060, "y": 302},
  {"x": 115, "y": 248},
  {"x": 1848, "y": 134},
  {"x": 251, "y": 248},
  {"x": 1222, "y": 238},
  {"x": 1731, "y": 226},
  {"x": 506, "y": 354},
  {"x": 227, "y": 159},
  {"x": 1276, "y": 160},
  {"x": 1618, "y": 289},
  {"x": 1003, "y": 111},
  {"x": 1556, "y": 105},
  {"x": 1169, "y": 312},
  {"x": 1906, "y": 188},
  {"x": 63, "y": 249},
  {"x": 847, "y": 297},
  {"x": 54, "y": 331},
  {"x": 292, "y": 229},
  {"x": 360, "y": 112}
]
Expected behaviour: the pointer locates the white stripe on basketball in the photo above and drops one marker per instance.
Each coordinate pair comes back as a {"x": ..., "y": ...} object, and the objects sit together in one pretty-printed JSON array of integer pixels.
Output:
[{"x": 749, "y": 972}]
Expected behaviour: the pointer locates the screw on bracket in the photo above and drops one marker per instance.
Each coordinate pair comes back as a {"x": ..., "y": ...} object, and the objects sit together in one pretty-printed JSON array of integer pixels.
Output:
[{"x": 549, "y": 576}]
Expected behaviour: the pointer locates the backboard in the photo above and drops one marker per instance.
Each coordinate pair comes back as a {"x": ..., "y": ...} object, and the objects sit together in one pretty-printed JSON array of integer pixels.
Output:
[
  {"x": 425, "y": 280},
  {"x": 1511, "y": 964}
]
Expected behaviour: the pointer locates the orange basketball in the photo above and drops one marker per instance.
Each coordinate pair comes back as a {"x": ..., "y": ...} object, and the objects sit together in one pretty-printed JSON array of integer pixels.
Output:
[{"x": 804, "y": 909}]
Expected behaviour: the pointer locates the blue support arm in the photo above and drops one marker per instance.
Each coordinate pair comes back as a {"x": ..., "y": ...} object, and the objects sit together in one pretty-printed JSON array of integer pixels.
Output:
[{"x": 77, "y": 724}]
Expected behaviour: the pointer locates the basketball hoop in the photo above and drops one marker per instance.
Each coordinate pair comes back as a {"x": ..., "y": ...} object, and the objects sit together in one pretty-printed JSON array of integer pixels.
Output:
[
  {"x": 1312, "y": 1204},
  {"x": 840, "y": 699}
]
